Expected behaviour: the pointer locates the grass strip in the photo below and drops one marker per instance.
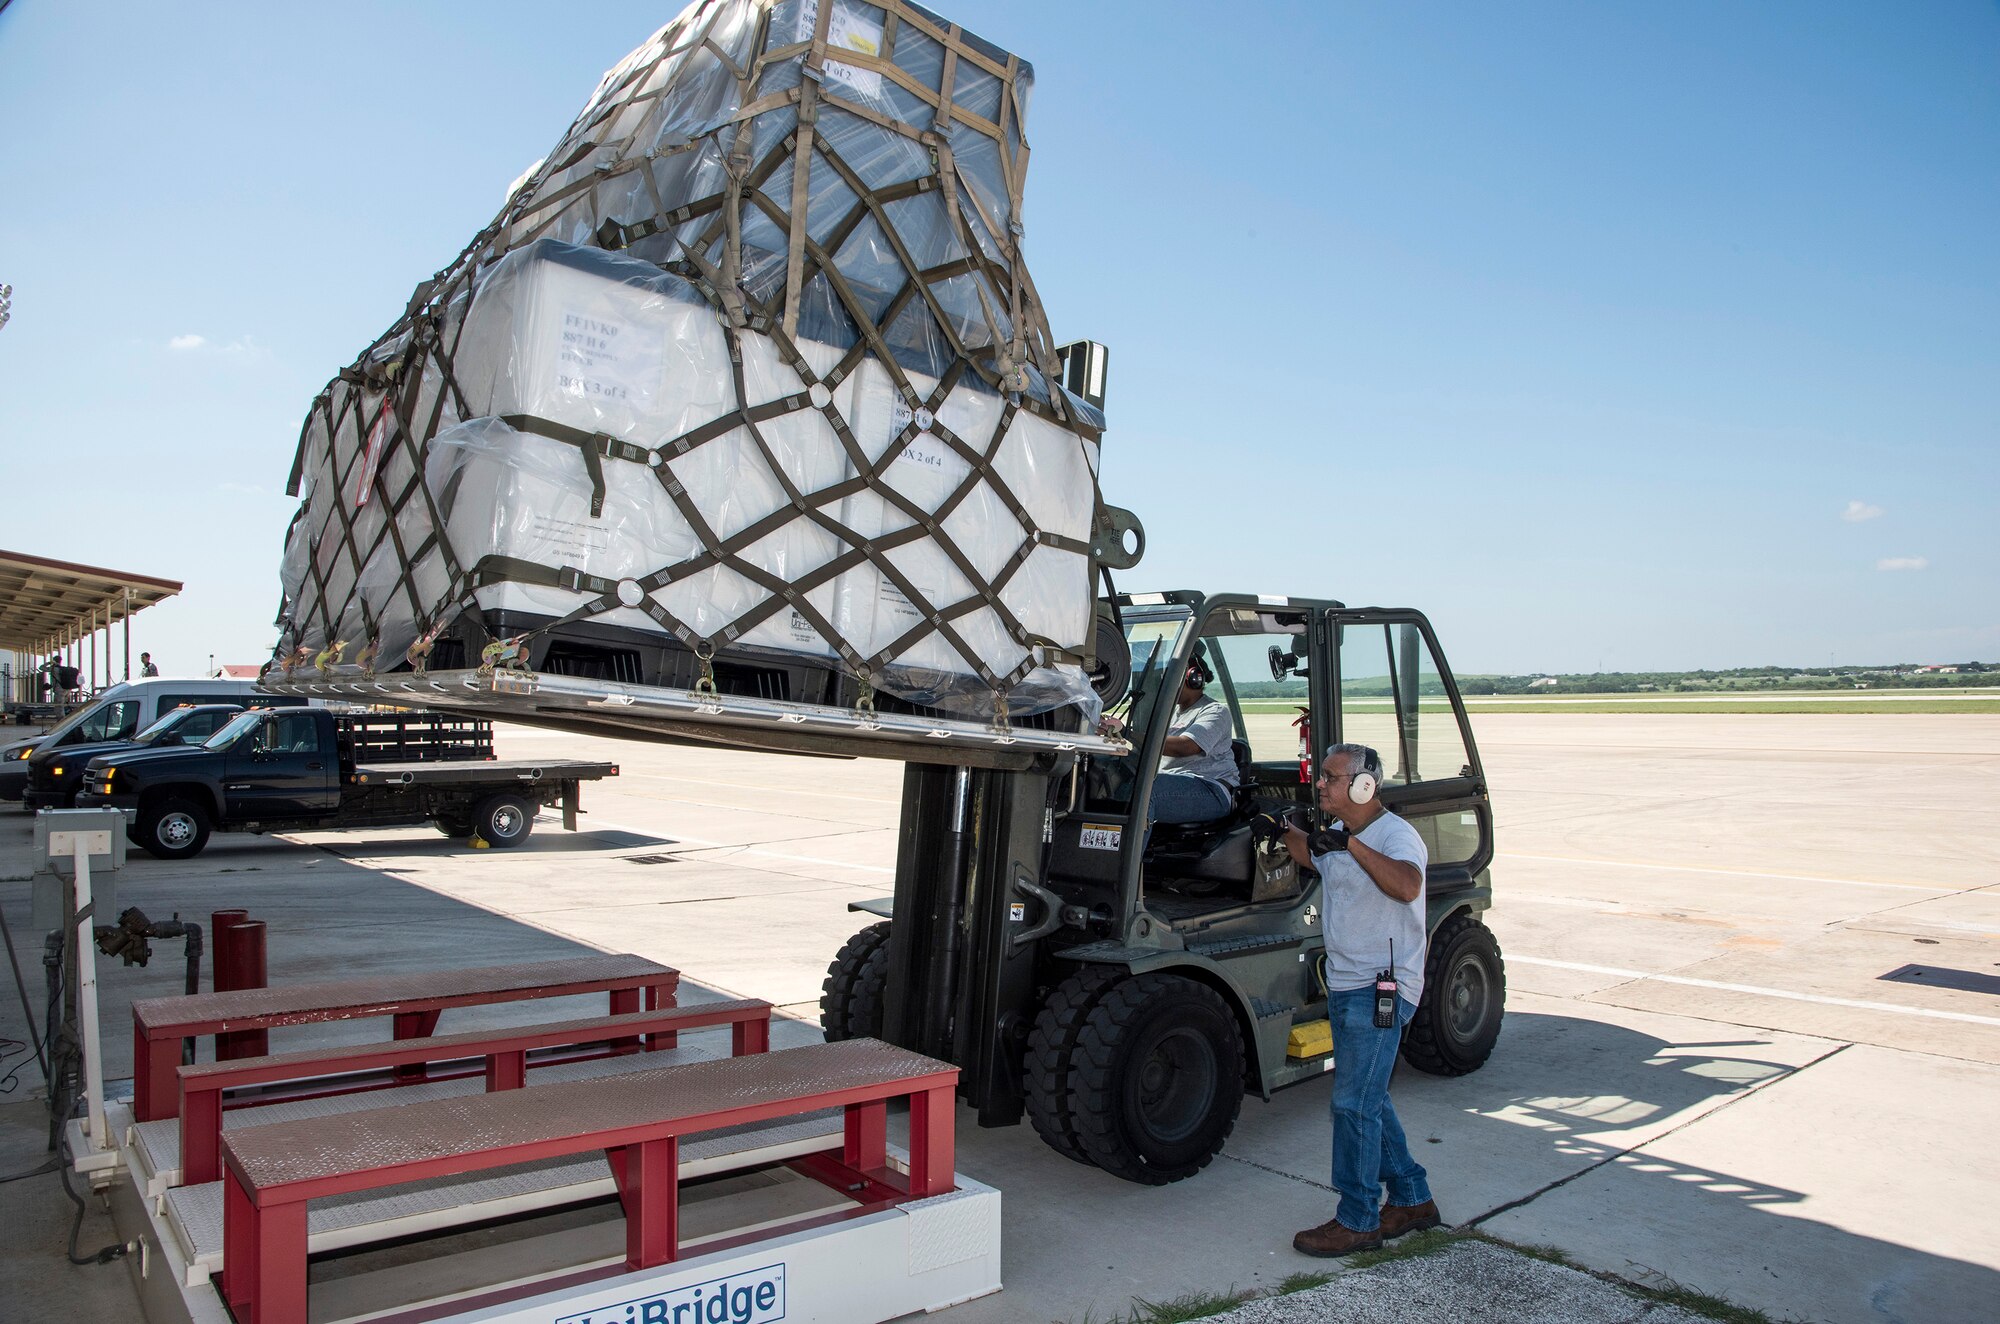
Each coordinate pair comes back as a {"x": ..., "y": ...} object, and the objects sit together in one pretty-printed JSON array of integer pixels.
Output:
[{"x": 1418, "y": 1245}]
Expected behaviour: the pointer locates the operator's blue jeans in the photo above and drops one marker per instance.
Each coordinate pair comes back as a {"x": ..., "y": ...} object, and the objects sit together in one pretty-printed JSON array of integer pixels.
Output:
[
  {"x": 1180, "y": 797},
  {"x": 1369, "y": 1151}
]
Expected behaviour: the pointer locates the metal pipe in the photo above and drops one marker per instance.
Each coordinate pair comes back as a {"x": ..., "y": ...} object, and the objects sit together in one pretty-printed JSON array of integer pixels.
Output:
[
  {"x": 944, "y": 997},
  {"x": 60, "y": 1064},
  {"x": 86, "y": 1000}
]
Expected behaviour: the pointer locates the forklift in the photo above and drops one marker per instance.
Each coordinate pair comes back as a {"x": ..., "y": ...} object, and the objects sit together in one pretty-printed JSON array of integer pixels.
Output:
[{"x": 1123, "y": 987}]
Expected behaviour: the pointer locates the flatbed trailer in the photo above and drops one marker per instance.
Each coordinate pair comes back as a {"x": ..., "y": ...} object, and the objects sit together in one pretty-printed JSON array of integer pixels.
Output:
[{"x": 311, "y": 769}]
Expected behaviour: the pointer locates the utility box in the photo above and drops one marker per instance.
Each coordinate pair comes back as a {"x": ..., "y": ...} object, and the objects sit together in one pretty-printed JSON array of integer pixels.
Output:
[{"x": 58, "y": 833}]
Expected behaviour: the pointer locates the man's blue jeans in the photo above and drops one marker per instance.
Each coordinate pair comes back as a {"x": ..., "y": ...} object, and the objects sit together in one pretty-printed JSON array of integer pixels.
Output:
[
  {"x": 1369, "y": 1151},
  {"x": 1180, "y": 797}
]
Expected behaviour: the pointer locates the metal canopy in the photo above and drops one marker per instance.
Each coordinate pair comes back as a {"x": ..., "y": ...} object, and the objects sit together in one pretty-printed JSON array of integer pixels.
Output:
[{"x": 43, "y": 599}]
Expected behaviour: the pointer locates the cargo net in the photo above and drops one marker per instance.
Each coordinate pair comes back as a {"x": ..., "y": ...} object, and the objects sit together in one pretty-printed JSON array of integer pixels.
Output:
[{"x": 751, "y": 359}]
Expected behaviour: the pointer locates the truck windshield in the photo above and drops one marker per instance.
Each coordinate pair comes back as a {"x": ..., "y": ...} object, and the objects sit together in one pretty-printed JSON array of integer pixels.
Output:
[
  {"x": 161, "y": 727},
  {"x": 238, "y": 724},
  {"x": 92, "y": 715}
]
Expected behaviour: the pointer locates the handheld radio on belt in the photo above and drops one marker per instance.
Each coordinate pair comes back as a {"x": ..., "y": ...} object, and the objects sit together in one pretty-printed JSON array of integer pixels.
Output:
[{"x": 1385, "y": 993}]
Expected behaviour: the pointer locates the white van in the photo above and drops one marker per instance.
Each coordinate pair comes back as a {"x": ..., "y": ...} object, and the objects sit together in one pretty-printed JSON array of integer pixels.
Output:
[{"x": 125, "y": 710}]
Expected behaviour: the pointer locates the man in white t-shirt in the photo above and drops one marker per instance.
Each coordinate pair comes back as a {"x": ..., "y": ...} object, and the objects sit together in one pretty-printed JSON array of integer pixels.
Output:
[
  {"x": 1371, "y": 872},
  {"x": 1198, "y": 777}
]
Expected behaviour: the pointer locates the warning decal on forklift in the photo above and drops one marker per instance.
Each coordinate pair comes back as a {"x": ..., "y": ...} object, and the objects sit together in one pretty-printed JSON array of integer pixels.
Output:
[
  {"x": 1100, "y": 836},
  {"x": 751, "y": 1297}
]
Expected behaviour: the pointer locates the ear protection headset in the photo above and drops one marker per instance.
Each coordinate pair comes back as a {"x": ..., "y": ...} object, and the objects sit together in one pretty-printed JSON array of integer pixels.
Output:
[
  {"x": 1361, "y": 786},
  {"x": 1199, "y": 673}
]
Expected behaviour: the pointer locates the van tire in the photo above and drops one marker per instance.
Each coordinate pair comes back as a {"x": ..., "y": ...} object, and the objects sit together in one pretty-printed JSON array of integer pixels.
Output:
[{"x": 173, "y": 829}]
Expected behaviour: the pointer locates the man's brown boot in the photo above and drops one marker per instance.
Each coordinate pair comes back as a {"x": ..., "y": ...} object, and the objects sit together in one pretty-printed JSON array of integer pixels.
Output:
[
  {"x": 1333, "y": 1238},
  {"x": 1400, "y": 1218}
]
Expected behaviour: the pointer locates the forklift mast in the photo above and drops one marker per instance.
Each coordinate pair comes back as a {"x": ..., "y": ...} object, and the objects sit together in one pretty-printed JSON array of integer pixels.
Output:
[{"x": 970, "y": 910}]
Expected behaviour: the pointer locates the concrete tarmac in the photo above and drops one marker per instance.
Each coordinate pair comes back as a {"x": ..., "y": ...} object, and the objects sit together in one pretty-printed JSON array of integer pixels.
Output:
[{"x": 1752, "y": 1042}]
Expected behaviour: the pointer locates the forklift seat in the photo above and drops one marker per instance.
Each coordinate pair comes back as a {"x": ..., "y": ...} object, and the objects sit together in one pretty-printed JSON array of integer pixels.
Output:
[{"x": 1216, "y": 853}]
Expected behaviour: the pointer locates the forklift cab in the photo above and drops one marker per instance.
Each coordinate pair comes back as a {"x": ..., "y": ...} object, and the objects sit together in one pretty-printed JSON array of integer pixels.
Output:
[
  {"x": 1123, "y": 988},
  {"x": 1296, "y": 676}
]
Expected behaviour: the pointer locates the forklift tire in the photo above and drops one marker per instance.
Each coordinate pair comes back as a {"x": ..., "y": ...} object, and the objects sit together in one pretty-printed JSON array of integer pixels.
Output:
[
  {"x": 503, "y": 820},
  {"x": 1465, "y": 995},
  {"x": 172, "y": 830},
  {"x": 850, "y": 1003},
  {"x": 1045, "y": 1073},
  {"x": 1156, "y": 1080}
]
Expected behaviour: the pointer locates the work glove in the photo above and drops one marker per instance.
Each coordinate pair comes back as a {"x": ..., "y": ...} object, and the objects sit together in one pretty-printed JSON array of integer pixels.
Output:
[{"x": 1326, "y": 841}]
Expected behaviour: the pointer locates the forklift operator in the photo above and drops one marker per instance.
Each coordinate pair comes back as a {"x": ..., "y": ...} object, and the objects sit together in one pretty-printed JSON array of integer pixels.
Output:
[{"x": 1197, "y": 770}]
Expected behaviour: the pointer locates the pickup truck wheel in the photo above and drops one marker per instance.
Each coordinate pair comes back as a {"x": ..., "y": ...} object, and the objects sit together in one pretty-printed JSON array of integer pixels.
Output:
[
  {"x": 1465, "y": 995},
  {"x": 173, "y": 830},
  {"x": 1045, "y": 1074},
  {"x": 850, "y": 1002},
  {"x": 503, "y": 820},
  {"x": 1156, "y": 1079}
]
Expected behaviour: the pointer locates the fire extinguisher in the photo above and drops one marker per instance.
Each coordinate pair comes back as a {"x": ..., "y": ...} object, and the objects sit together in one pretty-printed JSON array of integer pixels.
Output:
[{"x": 1304, "y": 722}]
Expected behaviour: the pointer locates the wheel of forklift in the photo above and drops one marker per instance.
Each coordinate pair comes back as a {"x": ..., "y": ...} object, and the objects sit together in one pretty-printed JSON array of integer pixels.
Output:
[
  {"x": 1046, "y": 1076},
  {"x": 1155, "y": 1078},
  {"x": 503, "y": 820},
  {"x": 1465, "y": 994},
  {"x": 850, "y": 1004}
]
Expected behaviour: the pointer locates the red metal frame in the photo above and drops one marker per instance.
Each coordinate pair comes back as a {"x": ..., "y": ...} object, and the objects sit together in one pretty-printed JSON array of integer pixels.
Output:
[
  {"x": 264, "y": 1228},
  {"x": 504, "y": 1054},
  {"x": 157, "y": 1034}
]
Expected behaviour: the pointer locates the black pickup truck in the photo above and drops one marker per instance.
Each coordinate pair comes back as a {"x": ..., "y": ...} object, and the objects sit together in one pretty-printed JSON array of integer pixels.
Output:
[
  {"x": 55, "y": 775},
  {"x": 310, "y": 768}
]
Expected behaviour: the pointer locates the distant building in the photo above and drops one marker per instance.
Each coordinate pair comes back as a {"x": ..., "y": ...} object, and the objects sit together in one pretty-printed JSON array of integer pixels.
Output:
[
  {"x": 1545, "y": 682},
  {"x": 244, "y": 671}
]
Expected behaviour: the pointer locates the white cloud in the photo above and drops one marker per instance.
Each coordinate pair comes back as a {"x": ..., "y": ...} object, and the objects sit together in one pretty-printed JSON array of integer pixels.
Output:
[
  {"x": 1860, "y": 510},
  {"x": 1903, "y": 563},
  {"x": 243, "y": 349}
]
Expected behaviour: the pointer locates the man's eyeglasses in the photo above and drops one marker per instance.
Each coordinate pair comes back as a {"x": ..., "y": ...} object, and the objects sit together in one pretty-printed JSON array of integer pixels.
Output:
[{"x": 1336, "y": 776}]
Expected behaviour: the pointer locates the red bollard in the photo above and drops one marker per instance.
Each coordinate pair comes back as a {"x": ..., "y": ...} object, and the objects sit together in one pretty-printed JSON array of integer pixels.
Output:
[
  {"x": 222, "y": 958},
  {"x": 221, "y": 945},
  {"x": 239, "y": 964},
  {"x": 256, "y": 974}
]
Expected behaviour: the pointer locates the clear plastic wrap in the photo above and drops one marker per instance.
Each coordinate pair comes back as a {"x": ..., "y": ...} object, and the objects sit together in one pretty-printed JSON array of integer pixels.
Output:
[{"x": 750, "y": 360}]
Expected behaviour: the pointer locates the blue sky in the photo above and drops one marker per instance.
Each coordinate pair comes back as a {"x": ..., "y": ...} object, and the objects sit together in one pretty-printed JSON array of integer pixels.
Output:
[{"x": 1611, "y": 335}]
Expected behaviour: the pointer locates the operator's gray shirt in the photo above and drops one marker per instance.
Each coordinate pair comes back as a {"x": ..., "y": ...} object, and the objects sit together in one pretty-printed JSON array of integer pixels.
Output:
[
  {"x": 1207, "y": 724},
  {"x": 1362, "y": 920}
]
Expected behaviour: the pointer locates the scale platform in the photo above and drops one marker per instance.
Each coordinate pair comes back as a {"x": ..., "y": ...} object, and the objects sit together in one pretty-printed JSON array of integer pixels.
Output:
[{"x": 545, "y": 1242}]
